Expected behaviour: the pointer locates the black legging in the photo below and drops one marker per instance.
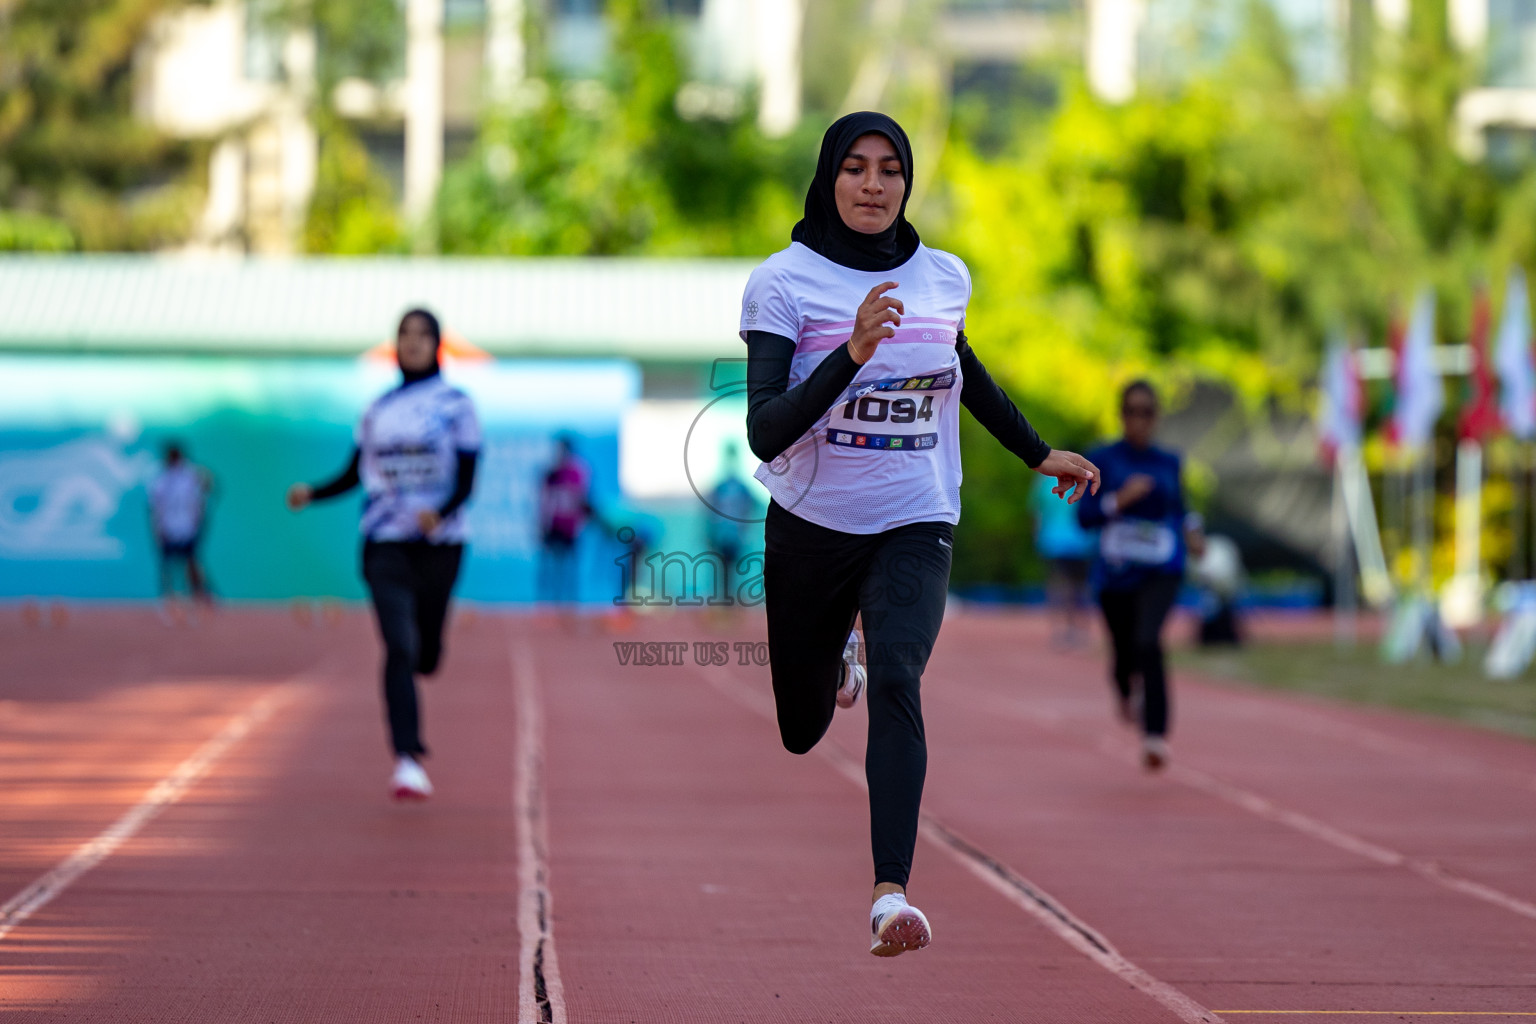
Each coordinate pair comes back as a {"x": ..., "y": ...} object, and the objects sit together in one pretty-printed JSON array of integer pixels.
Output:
[
  {"x": 411, "y": 582},
  {"x": 1135, "y": 619},
  {"x": 816, "y": 581}
]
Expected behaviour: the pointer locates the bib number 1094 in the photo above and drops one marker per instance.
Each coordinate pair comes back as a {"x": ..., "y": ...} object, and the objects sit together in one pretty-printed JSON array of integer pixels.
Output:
[{"x": 871, "y": 409}]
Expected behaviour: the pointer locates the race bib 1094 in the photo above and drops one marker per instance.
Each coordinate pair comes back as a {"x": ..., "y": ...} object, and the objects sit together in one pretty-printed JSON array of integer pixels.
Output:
[{"x": 897, "y": 414}]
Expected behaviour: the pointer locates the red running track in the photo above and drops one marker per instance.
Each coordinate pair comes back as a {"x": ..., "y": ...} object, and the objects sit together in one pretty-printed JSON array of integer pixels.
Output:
[{"x": 195, "y": 829}]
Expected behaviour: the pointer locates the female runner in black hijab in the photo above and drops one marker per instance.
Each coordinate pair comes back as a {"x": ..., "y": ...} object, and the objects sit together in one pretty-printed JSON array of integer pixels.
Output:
[
  {"x": 415, "y": 455},
  {"x": 853, "y": 406}
]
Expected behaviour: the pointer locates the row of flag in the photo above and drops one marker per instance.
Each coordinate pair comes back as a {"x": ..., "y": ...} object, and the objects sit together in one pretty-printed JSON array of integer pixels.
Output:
[{"x": 1418, "y": 395}]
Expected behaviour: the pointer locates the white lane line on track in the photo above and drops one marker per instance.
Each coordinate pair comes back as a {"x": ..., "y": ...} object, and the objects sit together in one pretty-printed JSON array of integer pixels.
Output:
[
  {"x": 161, "y": 795},
  {"x": 540, "y": 994},
  {"x": 1309, "y": 714},
  {"x": 997, "y": 875},
  {"x": 1268, "y": 810}
]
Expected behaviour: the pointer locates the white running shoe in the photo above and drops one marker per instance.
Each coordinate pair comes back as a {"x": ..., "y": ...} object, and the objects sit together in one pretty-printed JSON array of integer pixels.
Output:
[
  {"x": 410, "y": 781},
  {"x": 1154, "y": 753},
  {"x": 897, "y": 926},
  {"x": 854, "y": 673}
]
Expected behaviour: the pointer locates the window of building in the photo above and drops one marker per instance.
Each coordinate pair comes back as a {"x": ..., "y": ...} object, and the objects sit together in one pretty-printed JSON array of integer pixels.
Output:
[
  {"x": 1182, "y": 37},
  {"x": 578, "y": 37},
  {"x": 263, "y": 52},
  {"x": 463, "y": 13},
  {"x": 1512, "y": 43}
]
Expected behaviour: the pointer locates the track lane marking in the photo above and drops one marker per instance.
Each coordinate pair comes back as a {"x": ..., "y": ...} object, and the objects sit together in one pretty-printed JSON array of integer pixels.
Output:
[
  {"x": 161, "y": 795},
  {"x": 1268, "y": 810},
  {"x": 1389, "y": 1013},
  {"x": 997, "y": 875},
  {"x": 1309, "y": 714},
  {"x": 540, "y": 993},
  {"x": 1432, "y": 871}
]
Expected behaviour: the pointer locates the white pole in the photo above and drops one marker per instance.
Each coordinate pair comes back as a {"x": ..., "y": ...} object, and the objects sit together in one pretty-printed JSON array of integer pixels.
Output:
[
  {"x": 1113, "y": 30},
  {"x": 423, "y": 107},
  {"x": 505, "y": 57},
  {"x": 1469, "y": 508},
  {"x": 1461, "y": 604},
  {"x": 777, "y": 25},
  {"x": 1375, "y": 577},
  {"x": 1345, "y": 601},
  {"x": 1423, "y": 528}
]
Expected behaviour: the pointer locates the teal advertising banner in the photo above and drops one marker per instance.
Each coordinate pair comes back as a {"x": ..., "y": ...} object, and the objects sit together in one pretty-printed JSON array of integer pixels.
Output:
[{"x": 80, "y": 438}]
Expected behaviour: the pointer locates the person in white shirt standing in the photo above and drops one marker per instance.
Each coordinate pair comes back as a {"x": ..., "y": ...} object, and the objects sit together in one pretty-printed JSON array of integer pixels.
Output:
[
  {"x": 415, "y": 456},
  {"x": 178, "y": 507},
  {"x": 857, "y": 367}
]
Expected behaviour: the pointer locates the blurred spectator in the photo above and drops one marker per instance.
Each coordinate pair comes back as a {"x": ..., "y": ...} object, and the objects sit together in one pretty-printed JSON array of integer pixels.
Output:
[
  {"x": 1068, "y": 550},
  {"x": 1218, "y": 572},
  {"x": 565, "y": 507},
  {"x": 178, "y": 506},
  {"x": 732, "y": 506}
]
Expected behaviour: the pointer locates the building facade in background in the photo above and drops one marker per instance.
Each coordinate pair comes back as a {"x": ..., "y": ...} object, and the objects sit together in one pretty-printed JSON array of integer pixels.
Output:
[
  {"x": 226, "y": 72},
  {"x": 1130, "y": 43}
]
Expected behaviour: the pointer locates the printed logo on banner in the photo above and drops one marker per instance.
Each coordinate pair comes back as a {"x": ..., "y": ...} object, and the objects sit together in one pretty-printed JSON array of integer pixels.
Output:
[{"x": 57, "y": 502}]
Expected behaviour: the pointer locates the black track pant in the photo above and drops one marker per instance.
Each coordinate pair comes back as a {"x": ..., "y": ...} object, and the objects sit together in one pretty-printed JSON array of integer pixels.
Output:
[
  {"x": 816, "y": 581},
  {"x": 1135, "y": 619},
  {"x": 411, "y": 582}
]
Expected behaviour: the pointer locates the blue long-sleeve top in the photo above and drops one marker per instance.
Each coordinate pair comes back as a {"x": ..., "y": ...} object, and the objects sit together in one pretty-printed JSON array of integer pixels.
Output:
[{"x": 1146, "y": 538}]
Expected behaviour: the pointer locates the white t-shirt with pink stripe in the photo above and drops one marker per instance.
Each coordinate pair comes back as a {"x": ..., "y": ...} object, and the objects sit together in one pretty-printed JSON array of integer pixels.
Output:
[{"x": 887, "y": 453}]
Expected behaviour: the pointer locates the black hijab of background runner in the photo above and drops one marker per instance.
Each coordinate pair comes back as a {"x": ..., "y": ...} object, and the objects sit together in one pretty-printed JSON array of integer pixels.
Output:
[
  {"x": 823, "y": 231},
  {"x": 433, "y": 328}
]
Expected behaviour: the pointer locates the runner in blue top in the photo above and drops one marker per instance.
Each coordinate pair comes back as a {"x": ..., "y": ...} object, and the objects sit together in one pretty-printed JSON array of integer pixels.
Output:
[{"x": 1144, "y": 535}]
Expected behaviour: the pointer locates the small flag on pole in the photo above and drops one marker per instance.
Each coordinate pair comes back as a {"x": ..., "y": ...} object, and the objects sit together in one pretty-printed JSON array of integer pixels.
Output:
[
  {"x": 1480, "y": 416},
  {"x": 1420, "y": 395},
  {"x": 1512, "y": 359},
  {"x": 1342, "y": 404}
]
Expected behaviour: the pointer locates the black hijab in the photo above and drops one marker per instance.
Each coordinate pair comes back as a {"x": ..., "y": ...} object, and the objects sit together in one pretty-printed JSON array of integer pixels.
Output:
[
  {"x": 433, "y": 328},
  {"x": 823, "y": 229}
]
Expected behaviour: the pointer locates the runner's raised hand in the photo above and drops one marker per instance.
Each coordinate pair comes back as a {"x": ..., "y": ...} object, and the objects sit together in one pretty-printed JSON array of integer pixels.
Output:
[{"x": 878, "y": 317}]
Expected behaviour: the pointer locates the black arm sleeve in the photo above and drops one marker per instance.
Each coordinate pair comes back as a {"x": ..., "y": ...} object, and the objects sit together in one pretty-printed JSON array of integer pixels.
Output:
[
  {"x": 994, "y": 410},
  {"x": 463, "y": 484},
  {"x": 778, "y": 415},
  {"x": 342, "y": 484}
]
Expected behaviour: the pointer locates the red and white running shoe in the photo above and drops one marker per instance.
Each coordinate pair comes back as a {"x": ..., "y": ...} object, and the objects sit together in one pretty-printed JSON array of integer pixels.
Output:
[
  {"x": 410, "y": 781},
  {"x": 897, "y": 926}
]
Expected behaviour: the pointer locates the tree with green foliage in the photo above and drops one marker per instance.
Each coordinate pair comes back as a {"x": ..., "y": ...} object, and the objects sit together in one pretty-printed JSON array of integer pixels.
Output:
[
  {"x": 610, "y": 166},
  {"x": 1217, "y": 229},
  {"x": 352, "y": 211},
  {"x": 77, "y": 169}
]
